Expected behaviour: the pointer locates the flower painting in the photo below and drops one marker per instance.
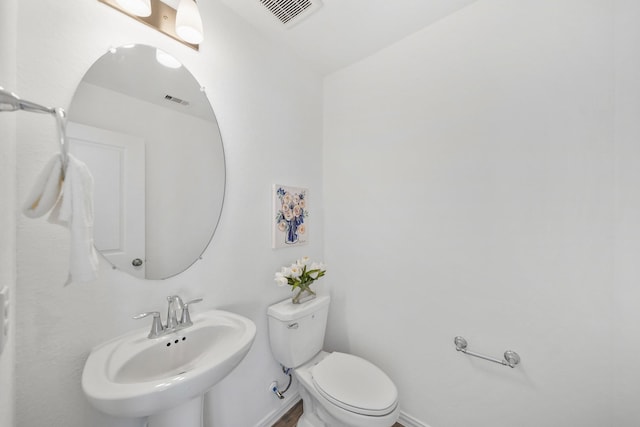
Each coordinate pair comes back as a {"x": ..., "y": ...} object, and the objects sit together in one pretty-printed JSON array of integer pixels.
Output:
[{"x": 290, "y": 210}]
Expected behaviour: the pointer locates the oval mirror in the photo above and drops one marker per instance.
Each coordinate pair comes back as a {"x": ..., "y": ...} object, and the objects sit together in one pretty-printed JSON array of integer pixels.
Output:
[{"x": 145, "y": 128}]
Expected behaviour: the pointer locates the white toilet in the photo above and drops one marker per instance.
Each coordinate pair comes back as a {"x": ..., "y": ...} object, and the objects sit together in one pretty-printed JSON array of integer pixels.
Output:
[{"x": 338, "y": 389}]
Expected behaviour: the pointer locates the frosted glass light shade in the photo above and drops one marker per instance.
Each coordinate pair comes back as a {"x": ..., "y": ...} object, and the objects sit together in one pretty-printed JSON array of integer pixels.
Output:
[
  {"x": 136, "y": 7},
  {"x": 189, "y": 22}
]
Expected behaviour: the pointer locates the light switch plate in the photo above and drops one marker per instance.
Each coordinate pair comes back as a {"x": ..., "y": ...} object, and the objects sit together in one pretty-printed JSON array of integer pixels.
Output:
[{"x": 4, "y": 317}]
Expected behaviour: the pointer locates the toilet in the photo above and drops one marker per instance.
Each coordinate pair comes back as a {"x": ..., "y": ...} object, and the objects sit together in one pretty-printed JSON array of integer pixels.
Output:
[{"x": 337, "y": 389}]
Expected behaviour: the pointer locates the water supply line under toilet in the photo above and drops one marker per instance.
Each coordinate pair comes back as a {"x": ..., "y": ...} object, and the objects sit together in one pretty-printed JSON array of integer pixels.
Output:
[{"x": 274, "y": 385}]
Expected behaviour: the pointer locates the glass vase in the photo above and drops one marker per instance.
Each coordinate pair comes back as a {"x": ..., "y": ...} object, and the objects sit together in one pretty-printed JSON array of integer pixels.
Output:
[{"x": 303, "y": 295}]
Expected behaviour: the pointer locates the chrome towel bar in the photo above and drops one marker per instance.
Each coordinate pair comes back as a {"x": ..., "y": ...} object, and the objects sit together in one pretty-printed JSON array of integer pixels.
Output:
[
  {"x": 511, "y": 358},
  {"x": 9, "y": 101}
]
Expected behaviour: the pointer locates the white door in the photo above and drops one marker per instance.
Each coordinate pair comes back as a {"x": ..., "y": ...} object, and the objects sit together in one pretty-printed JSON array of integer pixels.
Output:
[{"x": 117, "y": 162}]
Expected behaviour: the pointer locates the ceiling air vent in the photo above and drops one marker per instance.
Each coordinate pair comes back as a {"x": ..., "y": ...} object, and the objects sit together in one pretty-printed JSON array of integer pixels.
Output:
[
  {"x": 290, "y": 12},
  {"x": 176, "y": 100}
]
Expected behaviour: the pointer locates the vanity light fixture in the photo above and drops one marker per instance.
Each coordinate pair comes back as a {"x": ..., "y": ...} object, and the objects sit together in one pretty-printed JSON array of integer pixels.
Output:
[
  {"x": 189, "y": 22},
  {"x": 136, "y": 7},
  {"x": 178, "y": 19}
]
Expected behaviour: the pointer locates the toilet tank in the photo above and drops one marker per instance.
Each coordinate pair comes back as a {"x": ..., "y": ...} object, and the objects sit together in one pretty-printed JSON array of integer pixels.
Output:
[{"x": 296, "y": 331}]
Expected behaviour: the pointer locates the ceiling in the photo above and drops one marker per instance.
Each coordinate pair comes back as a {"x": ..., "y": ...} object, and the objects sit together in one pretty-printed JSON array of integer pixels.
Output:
[{"x": 342, "y": 32}]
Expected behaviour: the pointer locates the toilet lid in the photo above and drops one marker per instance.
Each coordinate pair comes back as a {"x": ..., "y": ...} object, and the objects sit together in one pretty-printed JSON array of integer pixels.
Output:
[{"x": 355, "y": 384}]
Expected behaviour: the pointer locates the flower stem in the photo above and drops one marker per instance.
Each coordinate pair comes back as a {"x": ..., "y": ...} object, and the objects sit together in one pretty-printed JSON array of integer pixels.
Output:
[{"x": 301, "y": 290}]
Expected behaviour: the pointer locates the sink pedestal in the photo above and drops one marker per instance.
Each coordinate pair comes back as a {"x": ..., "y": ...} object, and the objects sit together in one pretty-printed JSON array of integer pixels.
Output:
[{"x": 189, "y": 414}]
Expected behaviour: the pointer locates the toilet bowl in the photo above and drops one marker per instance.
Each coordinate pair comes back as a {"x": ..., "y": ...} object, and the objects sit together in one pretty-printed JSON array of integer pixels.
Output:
[
  {"x": 342, "y": 390},
  {"x": 337, "y": 389}
]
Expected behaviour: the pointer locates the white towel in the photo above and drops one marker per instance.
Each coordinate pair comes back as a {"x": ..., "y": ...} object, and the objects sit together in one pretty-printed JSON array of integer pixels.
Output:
[
  {"x": 46, "y": 189},
  {"x": 75, "y": 211}
]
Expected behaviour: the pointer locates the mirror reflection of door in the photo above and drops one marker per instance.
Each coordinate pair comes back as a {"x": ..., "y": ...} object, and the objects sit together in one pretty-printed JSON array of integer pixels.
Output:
[
  {"x": 117, "y": 162},
  {"x": 128, "y": 91}
]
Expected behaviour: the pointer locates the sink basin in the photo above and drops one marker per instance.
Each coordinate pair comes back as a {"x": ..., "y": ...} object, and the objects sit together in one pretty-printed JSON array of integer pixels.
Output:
[{"x": 134, "y": 376}]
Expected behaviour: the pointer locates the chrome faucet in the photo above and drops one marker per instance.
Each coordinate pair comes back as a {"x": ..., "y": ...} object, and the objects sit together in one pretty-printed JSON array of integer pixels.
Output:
[
  {"x": 174, "y": 302},
  {"x": 174, "y": 323}
]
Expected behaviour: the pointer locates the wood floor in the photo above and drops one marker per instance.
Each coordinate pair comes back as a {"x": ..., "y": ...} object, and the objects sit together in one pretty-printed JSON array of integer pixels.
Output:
[{"x": 291, "y": 417}]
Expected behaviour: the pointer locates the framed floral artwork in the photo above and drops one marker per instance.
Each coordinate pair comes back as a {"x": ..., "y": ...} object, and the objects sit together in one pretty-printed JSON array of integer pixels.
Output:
[{"x": 290, "y": 216}]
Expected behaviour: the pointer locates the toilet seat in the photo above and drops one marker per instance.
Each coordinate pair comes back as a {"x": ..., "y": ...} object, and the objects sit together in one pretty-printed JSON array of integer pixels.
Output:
[{"x": 355, "y": 384}]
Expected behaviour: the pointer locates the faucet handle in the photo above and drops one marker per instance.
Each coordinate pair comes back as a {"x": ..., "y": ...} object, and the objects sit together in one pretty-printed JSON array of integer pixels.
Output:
[
  {"x": 185, "y": 319},
  {"x": 156, "y": 326}
]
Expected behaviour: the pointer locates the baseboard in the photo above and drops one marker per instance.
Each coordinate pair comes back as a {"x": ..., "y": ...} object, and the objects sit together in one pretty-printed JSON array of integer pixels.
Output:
[
  {"x": 405, "y": 419},
  {"x": 408, "y": 421},
  {"x": 275, "y": 415}
]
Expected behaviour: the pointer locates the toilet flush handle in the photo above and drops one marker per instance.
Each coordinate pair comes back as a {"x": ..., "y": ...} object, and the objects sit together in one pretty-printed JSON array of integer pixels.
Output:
[{"x": 293, "y": 325}]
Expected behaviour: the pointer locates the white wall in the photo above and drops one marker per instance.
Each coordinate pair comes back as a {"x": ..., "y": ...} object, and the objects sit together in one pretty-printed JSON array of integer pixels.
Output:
[
  {"x": 268, "y": 124},
  {"x": 626, "y": 387},
  {"x": 8, "y": 11},
  {"x": 469, "y": 190}
]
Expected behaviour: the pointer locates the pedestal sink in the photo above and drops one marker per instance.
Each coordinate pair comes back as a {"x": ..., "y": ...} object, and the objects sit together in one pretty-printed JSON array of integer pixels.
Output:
[{"x": 165, "y": 378}]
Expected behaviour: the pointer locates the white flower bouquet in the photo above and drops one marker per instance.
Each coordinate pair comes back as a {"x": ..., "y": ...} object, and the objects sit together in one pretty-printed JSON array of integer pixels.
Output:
[{"x": 300, "y": 275}]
